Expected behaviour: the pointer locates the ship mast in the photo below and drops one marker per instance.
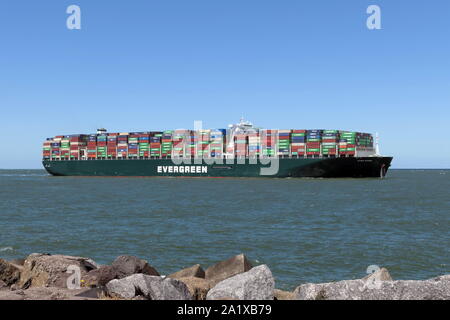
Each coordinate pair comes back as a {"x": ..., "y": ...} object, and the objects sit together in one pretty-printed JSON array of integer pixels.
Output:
[
  {"x": 241, "y": 127},
  {"x": 377, "y": 145}
]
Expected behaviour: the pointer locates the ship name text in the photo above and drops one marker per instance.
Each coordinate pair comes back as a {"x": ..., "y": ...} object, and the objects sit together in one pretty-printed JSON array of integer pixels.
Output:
[{"x": 182, "y": 169}]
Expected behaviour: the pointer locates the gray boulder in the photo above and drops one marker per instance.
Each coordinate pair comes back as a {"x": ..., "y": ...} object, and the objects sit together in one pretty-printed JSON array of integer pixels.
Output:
[
  {"x": 9, "y": 273},
  {"x": 124, "y": 288},
  {"x": 373, "y": 288},
  {"x": 44, "y": 270},
  {"x": 194, "y": 271},
  {"x": 256, "y": 284},
  {"x": 442, "y": 278},
  {"x": 228, "y": 268},
  {"x": 150, "y": 287}
]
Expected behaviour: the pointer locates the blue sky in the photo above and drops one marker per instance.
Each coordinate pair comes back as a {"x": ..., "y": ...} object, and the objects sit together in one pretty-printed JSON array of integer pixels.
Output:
[{"x": 144, "y": 65}]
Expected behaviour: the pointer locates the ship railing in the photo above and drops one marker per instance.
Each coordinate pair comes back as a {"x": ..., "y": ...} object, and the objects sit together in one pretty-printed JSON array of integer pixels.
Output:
[{"x": 303, "y": 156}]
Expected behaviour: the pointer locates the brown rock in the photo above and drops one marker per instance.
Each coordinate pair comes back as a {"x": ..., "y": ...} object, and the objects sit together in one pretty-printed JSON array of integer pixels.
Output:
[
  {"x": 52, "y": 293},
  {"x": 45, "y": 293},
  {"x": 125, "y": 266},
  {"x": 284, "y": 295},
  {"x": 380, "y": 275},
  {"x": 9, "y": 273},
  {"x": 14, "y": 287},
  {"x": 8, "y": 295},
  {"x": 43, "y": 270},
  {"x": 198, "y": 287},
  {"x": 122, "y": 267},
  {"x": 194, "y": 271},
  {"x": 99, "y": 277},
  {"x": 18, "y": 262},
  {"x": 228, "y": 268}
]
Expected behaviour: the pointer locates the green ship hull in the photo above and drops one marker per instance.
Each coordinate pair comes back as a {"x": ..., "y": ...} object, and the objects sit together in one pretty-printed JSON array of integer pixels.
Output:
[{"x": 346, "y": 167}]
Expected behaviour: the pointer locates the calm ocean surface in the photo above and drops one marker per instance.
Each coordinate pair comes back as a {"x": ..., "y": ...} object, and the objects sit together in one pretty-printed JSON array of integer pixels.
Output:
[{"x": 305, "y": 230}]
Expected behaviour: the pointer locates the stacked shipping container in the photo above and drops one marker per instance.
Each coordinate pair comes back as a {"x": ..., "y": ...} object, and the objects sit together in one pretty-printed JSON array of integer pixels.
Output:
[
  {"x": 313, "y": 142},
  {"x": 284, "y": 142},
  {"x": 298, "y": 142},
  {"x": 207, "y": 143}
]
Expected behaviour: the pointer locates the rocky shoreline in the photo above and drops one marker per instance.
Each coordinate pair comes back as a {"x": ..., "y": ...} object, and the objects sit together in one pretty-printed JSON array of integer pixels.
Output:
[{"x": 60, "y": 277}]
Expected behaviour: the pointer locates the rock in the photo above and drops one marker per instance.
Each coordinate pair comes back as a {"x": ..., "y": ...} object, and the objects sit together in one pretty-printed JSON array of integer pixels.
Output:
[
  {"x": 380, "y": 275},
  {"x": 228, "y": 268},
  {"x": 8, "y": 295},
  {"x": 256, "y": 284},
  {"x": 198, "y": 287},
  {"x": 14, "y": 287},
  {"x": 44, "y": 270},
  {"x": 166, "y": 289},
  {"x": 122, "y": 267},
  {"x": 53, "y": 293},
  {"x": 125, "y": 266},
  {"x": 441, "y": 278},
  {"x": 93, "y": 293},
  {"x": 2, "y": 284},
  {"x": 44, "y": 293},
  {"x": 311, "y": 291},
  {"x": 284, "y": 295},
  {"x": 124, "y": 288},
  {"x": 194, "y": 271},
  {"x": 9, "y": 273},
  {"x": 376, "y": 290},
  {"x": 18, "y": 262},
  {"x": 99, "y": 277},
  {"x": 151, "y": 287}
]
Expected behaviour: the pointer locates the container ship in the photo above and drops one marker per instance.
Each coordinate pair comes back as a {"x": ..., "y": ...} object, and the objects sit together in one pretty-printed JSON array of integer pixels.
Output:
[{"x": 241, "y": 150}]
